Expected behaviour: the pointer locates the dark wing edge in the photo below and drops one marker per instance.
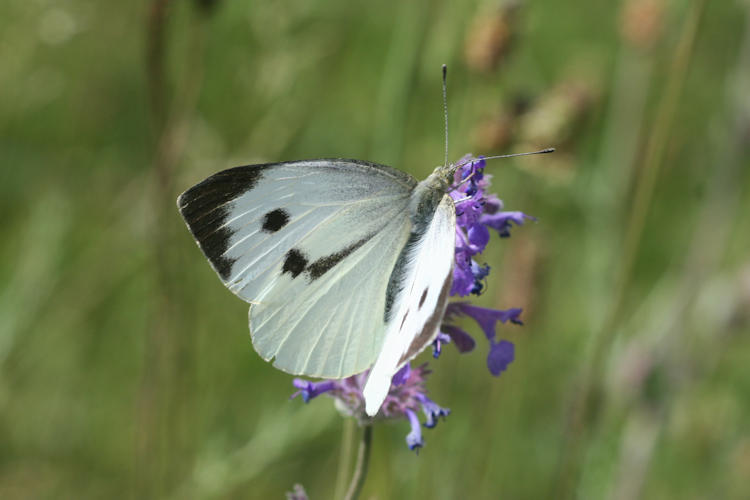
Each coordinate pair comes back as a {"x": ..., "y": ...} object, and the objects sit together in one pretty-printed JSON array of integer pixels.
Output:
[{"x": 204, "y": 207}]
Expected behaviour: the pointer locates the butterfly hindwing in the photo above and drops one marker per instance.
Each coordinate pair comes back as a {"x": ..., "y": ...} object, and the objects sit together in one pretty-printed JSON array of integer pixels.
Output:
[{"x": 310, "y": 244}]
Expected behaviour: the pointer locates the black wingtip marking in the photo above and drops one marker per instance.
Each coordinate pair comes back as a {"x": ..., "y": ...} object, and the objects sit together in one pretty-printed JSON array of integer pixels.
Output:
[
  {"x": 275, "y": 220},
  {"x": 422, "y": 299},
  {"x": 213, "y": 239},
  {"x": 220, "y": 188},
  {"x": 294, "y": 263},
  {"x": 204, "y": 208}
]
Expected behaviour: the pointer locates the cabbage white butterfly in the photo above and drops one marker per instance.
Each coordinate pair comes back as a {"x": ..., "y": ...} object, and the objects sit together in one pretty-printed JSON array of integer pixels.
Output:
[{"x": 347, "y": 265}]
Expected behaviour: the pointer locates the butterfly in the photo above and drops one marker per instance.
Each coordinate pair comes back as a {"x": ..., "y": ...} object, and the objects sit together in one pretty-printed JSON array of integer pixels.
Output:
[{"x": 347, "y": 265}]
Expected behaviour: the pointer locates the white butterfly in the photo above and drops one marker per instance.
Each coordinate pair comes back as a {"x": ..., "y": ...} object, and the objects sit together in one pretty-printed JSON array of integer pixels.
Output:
[{"x": 347, "y": 265}]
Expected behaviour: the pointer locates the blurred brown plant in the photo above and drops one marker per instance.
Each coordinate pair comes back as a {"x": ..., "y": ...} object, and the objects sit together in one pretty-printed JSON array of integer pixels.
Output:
[
  {"x": 497, "y": 132},
  {"x": 491, "y": 37},
  {"x": 641, "y": 22},
  {"x": 521, "y": 270},
  {"x": 552, "y": 119}
]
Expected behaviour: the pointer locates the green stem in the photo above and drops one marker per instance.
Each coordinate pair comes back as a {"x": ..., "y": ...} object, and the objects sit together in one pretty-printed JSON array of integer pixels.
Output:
[
  {"x": 363, "y": 461},
  {"x": 347, "y": 443}
]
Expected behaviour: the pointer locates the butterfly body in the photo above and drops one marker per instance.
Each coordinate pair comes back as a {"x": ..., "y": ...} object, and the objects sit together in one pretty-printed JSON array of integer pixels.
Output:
[{"x": 347, "y": 265}]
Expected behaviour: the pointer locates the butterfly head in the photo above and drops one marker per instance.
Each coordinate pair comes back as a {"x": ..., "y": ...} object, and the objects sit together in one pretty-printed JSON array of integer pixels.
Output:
[
  {"x": 446, "y": 178},
  {"x": 442, "y": 178}
]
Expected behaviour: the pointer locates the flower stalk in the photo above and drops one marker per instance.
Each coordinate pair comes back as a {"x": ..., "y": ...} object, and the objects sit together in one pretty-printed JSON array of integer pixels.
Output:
[{"x": 361, "y": 467}]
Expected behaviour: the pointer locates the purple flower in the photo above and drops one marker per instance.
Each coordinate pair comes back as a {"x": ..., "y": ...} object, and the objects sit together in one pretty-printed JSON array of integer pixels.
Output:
[
  {"x": 437, "y": 344},
  {"x": 414, "y": 439},
  {"x": 407, "y": 396},
  {"x": 476, "y": 214},
  {"x": 402, "y": 376},
  {"x": 501, "y": 355},
  {"x": 462, "y": 340},
  {"x": 309, "y": 390},
  {"x": 492, "y": 204},
  {"x": 478, "y": 236},
  {"x": 501, "y": 221},
  {"x": 432, "y": 411},
  {"x": 485, "y": 318}
]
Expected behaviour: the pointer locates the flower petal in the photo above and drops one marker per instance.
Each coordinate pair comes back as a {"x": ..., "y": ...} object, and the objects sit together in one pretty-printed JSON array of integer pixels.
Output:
[
  {"x": 463, "y": 341},
  {"x": 414, "y": 438},
  {"x": 479, "y": 236},
  {"x": 437, "y": 344},
  {"x": 479, "y": 273},
  {"x": 432, "y": 411},
  {"x": 402, "y": 375},
  {"x": 485, "y": 318},
  {"x": 463, "y": 278},
  {"x": 309, "y": 390},
  {"x": 502, "y": 221},
  {"x": 501, "y": 355},
  {"x": 468, "y": 212},
  {"x": 492, "y": 204}
]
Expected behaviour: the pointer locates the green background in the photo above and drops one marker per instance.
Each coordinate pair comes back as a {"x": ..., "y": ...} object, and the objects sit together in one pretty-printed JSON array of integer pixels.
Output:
[{"x": 126, "y": 369}]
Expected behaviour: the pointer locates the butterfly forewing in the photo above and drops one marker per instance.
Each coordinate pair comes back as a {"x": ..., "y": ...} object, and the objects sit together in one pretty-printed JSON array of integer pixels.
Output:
[
  {"x": 422, "y": 279},
  {"x": 307, "y": 243}
]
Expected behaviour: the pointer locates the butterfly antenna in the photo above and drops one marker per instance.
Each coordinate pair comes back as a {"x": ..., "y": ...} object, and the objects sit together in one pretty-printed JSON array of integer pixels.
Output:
[
  {"x": 445, "y": 111},
  {"x": 468, "y": 177},
  {"x": 540, "y": 152}
]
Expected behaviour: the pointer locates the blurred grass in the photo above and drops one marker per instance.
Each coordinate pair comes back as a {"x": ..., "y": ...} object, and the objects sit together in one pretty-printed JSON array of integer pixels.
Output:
[{"x": 126, "y": 368}]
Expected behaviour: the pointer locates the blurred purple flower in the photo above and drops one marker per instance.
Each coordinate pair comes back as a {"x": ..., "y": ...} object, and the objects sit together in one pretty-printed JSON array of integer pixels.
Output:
[{"x": 297, "y": 493}]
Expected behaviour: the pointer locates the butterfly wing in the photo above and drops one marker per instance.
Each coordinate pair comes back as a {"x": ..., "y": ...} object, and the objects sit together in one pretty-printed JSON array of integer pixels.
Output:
[
  {"x": 310, "y": 244},
  {"x": 422, "y": 278}
]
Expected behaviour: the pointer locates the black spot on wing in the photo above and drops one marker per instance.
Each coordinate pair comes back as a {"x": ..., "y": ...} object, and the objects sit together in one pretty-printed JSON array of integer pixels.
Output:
[
  {"x": 294, "y": 262},
  {"x": 275, "y": 220},
  {"x": 325, "y": 264},
  {"x": 205, "y": 209},
  {"x": 422, "y": 299}
]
